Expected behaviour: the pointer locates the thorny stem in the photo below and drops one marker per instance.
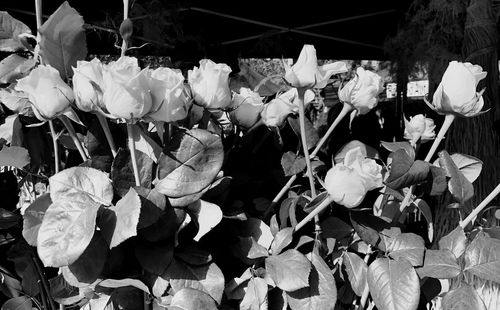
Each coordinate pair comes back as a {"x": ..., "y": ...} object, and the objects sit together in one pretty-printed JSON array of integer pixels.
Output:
[
  {"x": 54, "y": 143},
  {"x": 480, "y": 207},
  {"x": 131, "y": 145},
  {"x": 107, "y": 133},
  {"x": 74, "y": 137}
]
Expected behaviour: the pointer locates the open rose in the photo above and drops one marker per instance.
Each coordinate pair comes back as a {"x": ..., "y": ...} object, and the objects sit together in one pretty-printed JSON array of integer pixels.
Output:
[
  {"x": 419, "y": 128},
  {"x": 247, "y": 106},
  {"x": 306, "y": 72},
  {"x": 456, "y": 94},
  {"x": 277, "y": 110},
  {"x": 210, "y": 84},
  {"x": 362, "y": 91},
  {"x": 87, "y": 83},
  {"x": 47, "y": 92}
]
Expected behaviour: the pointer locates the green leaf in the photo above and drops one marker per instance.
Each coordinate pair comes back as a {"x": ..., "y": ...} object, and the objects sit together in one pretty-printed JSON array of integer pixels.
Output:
[
  {"x": 191, "y": 299},
  {"x": 402, "y": 145},
  {"x": 33, "y": 217},
  {"x": 155, "y": 257},
  {"x": 366, "y": 150},
  {"x": 424, "y": 208},
  {"x": 87, "y": 268},
  {"x": 63, "y": 292},
  {"x": 122, "y": 172},
  {"x": 235, "y": 289},
  {"x": 455, "y": 241},
  {"x": 66, "y": 230},
  {"x": 282, "y": 239},
  {"x": 333, "y": 227},
  {"x": 127, "y": 298},
  {"x": 460, "y": 188},
  {"x": 14, "y": 156},
  {"x": 122, "y": 219},
  {"x": 321, "y": 293},
  {"x": 192, "y": 255},
  {"x": 22, "y": 256},
  {"x": 463, "y": 298},
  {"x": 289, "y": 270},
  {"x": 18, "y": 303},
  {"x": 482, "y": 258},
  {"x": 436, "y": 181},
  {"x": 292, "y": 163},
  {"x": 166, "y": 226},
  {"x": 393, "y": 284},
  {"x": 207, "y": 278},
  {"x": 14, "y": 67},
  {"x": 256, "y": 228},
  {"x": 372, "y": 229},
  {"x": 153, "y": 204},
  {"x": 248, "y": 248},
  {"x": 8, "y": 219},
  {"x": 189, "y": 163},
  {"x": 315, "y": 202},
  {"x": 356, "y": 270},
  {"x": 112, "y": 283},
  {"x": 9, "y": 286},
  {"x": 405, "y": 172},
  {"x": 207, "y": 215},
  {"x": 255, "y": 296},
  {"x": 11, "y": 29},
  {"x": 439, "y": 264},
  {"x": 409, "y": 246},
  {"x": 81, "y": 182},
  {"x": 470, "y": 166},
  {"x": 311, "y": 133},
  {"x": 63, "y": 40}
]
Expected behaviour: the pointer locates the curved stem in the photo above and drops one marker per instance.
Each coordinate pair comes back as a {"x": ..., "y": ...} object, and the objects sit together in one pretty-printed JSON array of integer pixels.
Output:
[
  {"x": 72, "y": 133},
  {"x": 54, "y": 143},
  {"x": 302, "y": 121},
  {"x": 313, "y": 213},
  {"x": 480, "y": 207},
  {"x": 107, "y": 133},
  {"x": 131, "y": 146}
]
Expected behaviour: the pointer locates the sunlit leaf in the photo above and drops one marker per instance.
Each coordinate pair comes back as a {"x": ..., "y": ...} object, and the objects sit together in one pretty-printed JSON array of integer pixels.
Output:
[
  {"x": 409, "y": 246},
  {"x": 482, "y": 258},
  {"x": 255, "y": 296},
  {"x": 14, "y": 156},
  {"x": 356, "y": 269},
  {"x": 455, "y": 241},
  {"x": 188, "y": 298},
  {"x": 249, "y": 248},
  {"x": 426, "y": 211},
  {"x": 9, "y": 36},
  {"x": 13, "y": 66},
  {"x": 113, "y": 283},
  {"x": 206, "y": 214},
  {"x": 402, "y": 145},
  {"x": 470, "y": 166},
  {"x": 439, "y": 264},
  {"x": 33, "y": 217},
  {"x": 460, "y": 188},
  {"x": 256, "y": 228},
  {"x": 282, "y": 239},
  {"x": 289, "y": 270},
  {"x": 292, "y": 163},
  {"x": 235, "y": 289},
  {"x": 462, "y": 298},
  {"x": 405, "y": 172}
]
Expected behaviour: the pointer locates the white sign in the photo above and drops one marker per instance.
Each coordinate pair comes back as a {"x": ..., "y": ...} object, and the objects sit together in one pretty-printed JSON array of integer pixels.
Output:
[{"x": 414, "y": 89}]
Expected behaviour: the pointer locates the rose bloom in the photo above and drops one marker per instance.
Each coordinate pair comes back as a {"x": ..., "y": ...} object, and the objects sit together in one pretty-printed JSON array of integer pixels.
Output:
[
  {"x": 87, "y": 82},
  {"x": 247, "y": 106},
  {"x": 362, "y": 91},
  {"x": 47, "y": 92},
  {"x": 419, "y": 128},
  {"x": 277, "y": 110},
  {"x": 306, "y": 73},
  {"x": 456, "y": 94},
  {"x": 126, "y": 89},
  {"x": 170, "y": 97},
  {"x": 210, "y": 84},
  {"x": 348, "y": 183}
]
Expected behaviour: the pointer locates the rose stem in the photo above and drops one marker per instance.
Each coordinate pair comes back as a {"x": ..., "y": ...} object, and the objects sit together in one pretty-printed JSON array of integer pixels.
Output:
[
  {"x": 480, "y": 207},
  {"x": 54, "y": 143},
  {"x": 325, "y": 203},
  {"x": 345, "y": 110},
  {"x": 107, "y": 133},
  {"x": 448, "y": 120},
  {"x": 72, "y": 133},
  {"x": 366, "y": 291},
  {"x": 43, "y": 280},
  {"x": 131, "y": 145}
]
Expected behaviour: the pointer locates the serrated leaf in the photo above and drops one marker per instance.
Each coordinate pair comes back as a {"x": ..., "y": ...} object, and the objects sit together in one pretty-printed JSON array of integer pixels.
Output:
[
  {"x": 333, "y": 227},
  {"x": 321, "y": 292},
  {"x": 439, "y": 264},
  {"x": 14, "y": 156},
  {"x": 289, "y": 270},
  {"x": 282, "y": 239},
  {"x": 402, "y": 145},
  {"x": 482, "y": 258},
  {"x": 13, "y": 67},
  {"x": 122, "y": 172},
  {"x": 405, "y": 172},
  {"x": 292, "y": 163},
  {"x": 33, "y": 217},
  {"x": 155, "y": 257},
  {"x": 75, "y": 181},
  {"x": 66, "y": 230},
  {"x": 9, "y": 36},
  {"x": 255, "y": 296},
  {"x": 409, "y": 246},
  {"x": 190, "y": 299},
  {"x": 189, "y": 163},
  {"x": 462, "y": 298},
  {"x": 18, "y": 303},
  {"x": 393, "y": 284},
  {"x": 366, "y": 150},
  {"x": 207, "y": 215},
  {"x": 470, "y": 166},
  {"x": 455, "y": 241},
  {"x": 153, "y": 204},
  {"x": 460, "y": 188},
  {"x": 207, "y": 278},
  {"x": 356, "y": 270},
  {"x": 63, "y": 40}
]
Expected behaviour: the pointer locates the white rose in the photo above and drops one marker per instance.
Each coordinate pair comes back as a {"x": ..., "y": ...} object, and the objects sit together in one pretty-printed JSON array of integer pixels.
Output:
[
  {"x": 456, "y": 94},
  {"x": 170, "y": 98},
  {"x": 345, "y": 186},
  {"x": 87, "y": 83},
  {"x": 362, "y": 91},
  {"x": 247, "y": 106},
  {"x": 419, "y": 128},
  {"x": 367, "y": 168},
  {"x": 306, "y": 72},
  {"x": 210, "y": 84},
  {"x": 47, "y": 92}
]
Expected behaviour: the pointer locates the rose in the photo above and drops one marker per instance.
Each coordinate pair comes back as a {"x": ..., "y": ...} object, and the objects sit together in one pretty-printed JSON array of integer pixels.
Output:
[
  {"x": 170, "y": 98},
  {"x": 247, "y": 106},
  {"x": 210, "y": 84},
  {"x": 277, "y": 110},
  {"x": 47, "y": 92},
  {"x": 306, "y": 73},
  {"x": 362, "y": 91},
  {"x": 87, "y": 82},
  {"x": 419, "y": 128},
  {"x": 348, "y": 182},
  {"x": 456, "y": 94},
  {"x": 126, "y": 89}
]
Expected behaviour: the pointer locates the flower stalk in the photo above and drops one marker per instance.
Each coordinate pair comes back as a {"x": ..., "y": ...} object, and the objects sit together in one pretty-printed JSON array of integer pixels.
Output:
[
  {"x": 74, "y": 137},
  {"x": 325, "y": 203},
  {"x": 56, "y": 148},
  {"x": 480, "y": 207},
  {"x": 107, "y": 133}
]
